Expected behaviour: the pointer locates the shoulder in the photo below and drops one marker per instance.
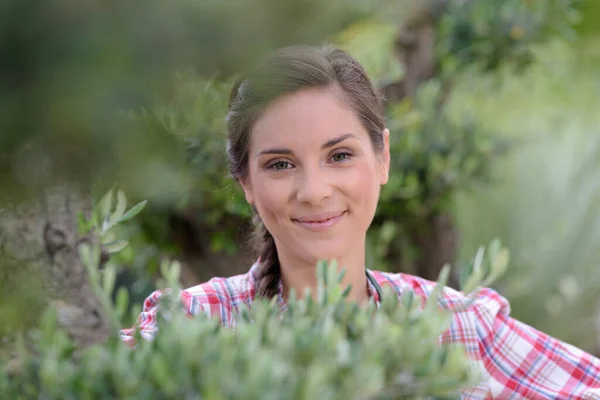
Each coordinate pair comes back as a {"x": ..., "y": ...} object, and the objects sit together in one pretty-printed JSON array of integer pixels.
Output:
[
  {"x": 475, "y": 320},
  {"x": 450, "y": 299},
  {"x": 216, "y": 298},
  {"x": 219, "y": 296},
  {"x": 474, "y": 317}
]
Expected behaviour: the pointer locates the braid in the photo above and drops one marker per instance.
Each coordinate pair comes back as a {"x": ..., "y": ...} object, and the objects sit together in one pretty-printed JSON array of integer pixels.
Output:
[{"x": 269, "y": 272}]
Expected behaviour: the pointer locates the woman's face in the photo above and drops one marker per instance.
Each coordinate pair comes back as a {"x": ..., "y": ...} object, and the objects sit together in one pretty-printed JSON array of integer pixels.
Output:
[{"x": 314, "y": 176}]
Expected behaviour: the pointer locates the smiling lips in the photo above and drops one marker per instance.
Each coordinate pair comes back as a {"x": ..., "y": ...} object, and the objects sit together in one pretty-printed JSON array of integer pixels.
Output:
[{"x": 320, "y": 222}]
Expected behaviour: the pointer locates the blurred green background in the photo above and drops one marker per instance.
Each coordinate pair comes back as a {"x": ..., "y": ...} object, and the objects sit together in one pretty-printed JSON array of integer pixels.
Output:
[{"x": 492, "y": 108}]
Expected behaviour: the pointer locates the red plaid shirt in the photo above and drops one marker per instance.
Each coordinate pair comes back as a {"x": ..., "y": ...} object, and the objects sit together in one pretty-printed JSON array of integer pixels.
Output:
[{"x": 520, "y": 362}]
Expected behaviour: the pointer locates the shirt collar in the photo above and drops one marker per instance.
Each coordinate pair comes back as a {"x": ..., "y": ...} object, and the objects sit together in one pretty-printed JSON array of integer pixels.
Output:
[{"x": 373, "y": 288}]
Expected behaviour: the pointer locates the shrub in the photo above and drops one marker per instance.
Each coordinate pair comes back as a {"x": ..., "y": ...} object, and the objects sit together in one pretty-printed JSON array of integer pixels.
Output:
[{"x": 322, "y": 347}]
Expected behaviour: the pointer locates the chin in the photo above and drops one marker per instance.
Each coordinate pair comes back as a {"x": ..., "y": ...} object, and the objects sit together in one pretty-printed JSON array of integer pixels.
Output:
[{"x": 323, "y": 251}]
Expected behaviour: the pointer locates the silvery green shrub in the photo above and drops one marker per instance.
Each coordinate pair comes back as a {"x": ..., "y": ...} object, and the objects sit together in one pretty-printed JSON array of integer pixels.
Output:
[{"x": 322, "y": 347}]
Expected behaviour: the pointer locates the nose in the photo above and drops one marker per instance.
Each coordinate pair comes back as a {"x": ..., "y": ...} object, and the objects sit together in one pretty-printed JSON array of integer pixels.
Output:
[{"x": 313, "y": 186}]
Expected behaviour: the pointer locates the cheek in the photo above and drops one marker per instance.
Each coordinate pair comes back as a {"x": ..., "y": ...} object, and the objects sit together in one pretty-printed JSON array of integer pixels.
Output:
[
  {"x": 270, "y": 198},
  {"x": 362, "y": 185}
]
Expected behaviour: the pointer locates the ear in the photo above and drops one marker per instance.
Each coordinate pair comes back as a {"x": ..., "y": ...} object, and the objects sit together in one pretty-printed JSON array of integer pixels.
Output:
[
  {"x": 247, "y": 188},
  {"x": 385, "y": 158}
]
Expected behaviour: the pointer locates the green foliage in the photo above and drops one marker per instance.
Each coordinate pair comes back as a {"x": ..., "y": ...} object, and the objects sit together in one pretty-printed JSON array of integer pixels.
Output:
[
  {"x": 490, "y": 34},
  {"x": 192, "y": 113},
  {"x": 590, "y": 12},
  {"x": 320, "y": 347},
  {"x": 104, "y": 218},
  {"x": 545, "y": 204},
  {"x": 436, "y": 153},
  {"x": 486, "y": 268},
  {"x": 371, "y": 42},
  {"x": 75, "y": 66},
  {"x": 433, "y": 156}
]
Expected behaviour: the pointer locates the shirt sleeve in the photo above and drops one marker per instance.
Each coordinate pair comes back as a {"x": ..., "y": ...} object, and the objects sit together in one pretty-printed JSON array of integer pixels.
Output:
[
  {"x": 523, "y": 362},
  {"x": 195, "y": 300},
  {"x": 146, "y": 322}
]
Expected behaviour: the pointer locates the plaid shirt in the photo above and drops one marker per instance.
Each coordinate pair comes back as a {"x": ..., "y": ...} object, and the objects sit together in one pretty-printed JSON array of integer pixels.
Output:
[{"x": 519, "y": 361}]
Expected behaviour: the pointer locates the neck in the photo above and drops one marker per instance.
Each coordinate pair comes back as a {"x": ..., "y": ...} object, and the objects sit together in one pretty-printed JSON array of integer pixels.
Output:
[{"x": 299, "y": 274}]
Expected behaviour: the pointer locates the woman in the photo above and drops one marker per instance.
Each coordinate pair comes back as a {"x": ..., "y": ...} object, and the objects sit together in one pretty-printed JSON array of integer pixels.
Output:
[{"x": 308, "y": 145}]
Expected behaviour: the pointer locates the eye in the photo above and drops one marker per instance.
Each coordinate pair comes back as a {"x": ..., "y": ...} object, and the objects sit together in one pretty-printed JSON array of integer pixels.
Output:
[
  {"x": 279, "y": 165},
  {"x": 341, "y": 156}
]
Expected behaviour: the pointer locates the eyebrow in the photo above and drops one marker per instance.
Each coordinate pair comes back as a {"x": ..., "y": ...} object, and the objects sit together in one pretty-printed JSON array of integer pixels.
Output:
[{"x": 328, "y": 144}]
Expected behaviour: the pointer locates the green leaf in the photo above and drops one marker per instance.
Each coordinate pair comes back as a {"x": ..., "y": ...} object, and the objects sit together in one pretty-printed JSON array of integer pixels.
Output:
[
  {"x": 371, "y": 42},
  {"x": 109, "y": 275},
  {"x": 133, "y": 211},
  {"x": 83, "y": 224},
  {"x": 108, "y": 237},
  {"x": 121, "y": 302},
  {"x": 120, "y": 209},
  {"x": 116, "y": 246},
  {"x": 477, "y": 273},
  {"x": 436, "y": 293},
  {"x": 498, "y": 267},
  {"x": 105, "y": 205}
]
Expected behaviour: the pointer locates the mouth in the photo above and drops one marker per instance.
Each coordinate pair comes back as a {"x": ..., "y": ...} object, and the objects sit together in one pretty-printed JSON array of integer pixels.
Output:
[{"x": 320, "y": 222}]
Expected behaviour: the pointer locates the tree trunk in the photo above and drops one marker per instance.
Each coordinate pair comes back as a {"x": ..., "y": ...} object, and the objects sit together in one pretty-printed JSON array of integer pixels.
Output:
[
  {"x": 434, "y": 237},
  {"x": 41, "y": 238},
  {"x": 436, "y": 240}
]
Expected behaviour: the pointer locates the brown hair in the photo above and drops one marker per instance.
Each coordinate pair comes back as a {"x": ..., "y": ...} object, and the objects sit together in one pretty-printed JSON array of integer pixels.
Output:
[{"x": 287, "y": 71}]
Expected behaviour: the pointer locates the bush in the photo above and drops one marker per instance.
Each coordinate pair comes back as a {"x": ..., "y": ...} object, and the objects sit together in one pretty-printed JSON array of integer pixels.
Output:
[{"x": 322, "y": 347}]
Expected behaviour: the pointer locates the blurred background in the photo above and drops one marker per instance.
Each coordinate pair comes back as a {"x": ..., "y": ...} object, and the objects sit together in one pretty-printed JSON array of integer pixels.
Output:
[{"x": 492, "y": 108}]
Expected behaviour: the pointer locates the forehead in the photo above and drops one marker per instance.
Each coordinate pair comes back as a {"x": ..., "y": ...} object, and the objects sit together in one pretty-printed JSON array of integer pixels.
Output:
[{"x": 310, "y": 116}]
